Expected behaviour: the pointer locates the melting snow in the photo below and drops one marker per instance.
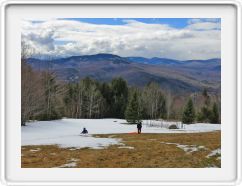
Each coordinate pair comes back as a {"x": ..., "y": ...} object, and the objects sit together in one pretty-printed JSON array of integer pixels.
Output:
[
  {"x": 214, "y": 153},
  {"x": 186, "y": 148},
  {"x": 35, "y": 150},
  {"x": 126, "y": 147},
  {"x": 66, "y": 132},
  {"x": 72, "y": 163},
  {"x": 72, "y": 149}
]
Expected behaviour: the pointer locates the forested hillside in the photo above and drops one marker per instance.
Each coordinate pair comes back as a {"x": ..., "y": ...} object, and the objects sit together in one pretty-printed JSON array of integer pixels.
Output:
[
  {"x": 46, "y": 97},
  {"x": 177, "y": 76}
]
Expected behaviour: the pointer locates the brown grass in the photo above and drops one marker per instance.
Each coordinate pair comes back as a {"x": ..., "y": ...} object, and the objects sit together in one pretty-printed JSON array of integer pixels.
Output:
[{"x": 148, "y": 152}]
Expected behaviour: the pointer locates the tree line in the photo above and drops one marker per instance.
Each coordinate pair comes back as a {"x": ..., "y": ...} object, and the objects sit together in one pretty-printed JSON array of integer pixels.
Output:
[{"x": 44, "y": 97}]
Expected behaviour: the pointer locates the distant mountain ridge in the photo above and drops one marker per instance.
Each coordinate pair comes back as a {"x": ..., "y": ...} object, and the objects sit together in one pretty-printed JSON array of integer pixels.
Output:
[
  {"x": 167, "y": 61},
  {"x": 154, "y": 60},
  {"x": 178, "y": 76}
]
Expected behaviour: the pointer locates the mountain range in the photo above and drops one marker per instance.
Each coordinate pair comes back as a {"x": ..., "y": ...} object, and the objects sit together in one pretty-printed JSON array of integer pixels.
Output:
[{"x": 175, "y": 75}]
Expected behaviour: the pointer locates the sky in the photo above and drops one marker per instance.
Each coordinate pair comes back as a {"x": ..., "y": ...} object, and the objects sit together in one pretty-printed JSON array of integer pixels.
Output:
[{"x": 174, "y": 38}]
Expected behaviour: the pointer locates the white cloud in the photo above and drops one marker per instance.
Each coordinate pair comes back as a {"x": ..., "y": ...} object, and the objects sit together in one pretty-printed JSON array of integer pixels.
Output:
[
  {"x": 195, "y": 20},
  {"x": 204, "y": 26},
  {"x": 199, "y": 20},
  {"x": 199, "y": 40}
]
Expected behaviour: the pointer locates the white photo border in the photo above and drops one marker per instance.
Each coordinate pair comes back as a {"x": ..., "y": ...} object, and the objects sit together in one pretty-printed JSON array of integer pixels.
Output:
[{"x": 3, "y": 167}]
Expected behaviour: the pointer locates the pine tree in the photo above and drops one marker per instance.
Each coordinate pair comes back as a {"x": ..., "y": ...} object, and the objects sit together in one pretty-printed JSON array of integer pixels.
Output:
[
  {"x": 206, "y": 97},
  {"x": 188, "y": 113},
  {"x": 163, "y": 109},
  {"x": 132, "y": 111},
  {"x": 214, "y": 118},
  {"x": 106, "y": 92},
  {"x": 204, "y": 115},
  {"x": 119, "y": 97}
]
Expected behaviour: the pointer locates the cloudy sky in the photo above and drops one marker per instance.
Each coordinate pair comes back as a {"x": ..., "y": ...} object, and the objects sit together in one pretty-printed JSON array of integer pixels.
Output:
[{"x": 175, "y": 38}]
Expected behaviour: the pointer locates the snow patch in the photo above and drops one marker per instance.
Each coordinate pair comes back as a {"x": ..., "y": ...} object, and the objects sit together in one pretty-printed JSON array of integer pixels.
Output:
[
  {"x": 190, "y": 148},
  {"x": 71, "y": 163},
  {"x": 72, "y": 149},
  {"x": 214, "y": 153},
  {"x": 187, "y": 148},
  {"x": 126, "y": 147},
  {"x": 35, "y": 150},
  {"x": 163, "y": 124},
  {"x": 66, "y": 132}
]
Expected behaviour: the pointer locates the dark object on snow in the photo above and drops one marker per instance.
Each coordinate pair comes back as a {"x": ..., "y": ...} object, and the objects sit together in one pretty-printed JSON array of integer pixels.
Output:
[
  {"x": 173, "y": 127},
  {"x": 84, "y": 131},
  {"x": 139, "y": 127}
]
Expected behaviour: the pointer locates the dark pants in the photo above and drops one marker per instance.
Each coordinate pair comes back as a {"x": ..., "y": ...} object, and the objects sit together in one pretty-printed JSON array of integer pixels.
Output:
[{"x": 139, "y": 130}]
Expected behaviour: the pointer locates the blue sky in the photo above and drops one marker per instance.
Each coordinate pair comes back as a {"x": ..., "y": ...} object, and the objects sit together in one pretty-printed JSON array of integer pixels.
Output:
[
  {"x": 173, "y": 22},
  {"x": 175, "y": 38}
]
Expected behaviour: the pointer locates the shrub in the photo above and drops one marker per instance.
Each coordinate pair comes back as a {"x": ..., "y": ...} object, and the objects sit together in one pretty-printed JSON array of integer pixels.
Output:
[{"x": 173, "y": 127}]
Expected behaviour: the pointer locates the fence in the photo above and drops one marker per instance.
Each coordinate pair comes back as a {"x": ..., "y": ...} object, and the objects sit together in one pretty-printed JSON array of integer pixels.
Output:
[{"x": 163, "y": 124}]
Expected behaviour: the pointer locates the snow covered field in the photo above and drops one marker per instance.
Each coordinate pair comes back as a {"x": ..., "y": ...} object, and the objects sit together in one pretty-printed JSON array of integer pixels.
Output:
[{"x": 66, "y": 132}]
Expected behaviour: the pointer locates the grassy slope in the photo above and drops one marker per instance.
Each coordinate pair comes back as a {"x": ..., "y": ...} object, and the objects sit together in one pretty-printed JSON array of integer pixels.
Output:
[{"x": 148, "y": 152}]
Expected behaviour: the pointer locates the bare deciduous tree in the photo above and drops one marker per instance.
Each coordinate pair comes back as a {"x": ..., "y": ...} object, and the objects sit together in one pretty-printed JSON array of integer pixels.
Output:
[{"x": 31, "y": 90}]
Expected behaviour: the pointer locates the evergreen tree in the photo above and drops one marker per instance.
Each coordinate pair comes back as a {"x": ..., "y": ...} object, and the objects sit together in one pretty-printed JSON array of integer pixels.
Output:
[
  {"x": 204, "y": 115},
  {"x": 188, "y": 113},
  {"x": 206, "y": 97},
  {"x": 132, "y": 111},
  {"x": 200, "y": 117},
  {"x": 119, "y": 97},
  {"x": 163, "y": 109},
  {"x": 106, "y": 92},
  {"x": 214, "y": 118}
]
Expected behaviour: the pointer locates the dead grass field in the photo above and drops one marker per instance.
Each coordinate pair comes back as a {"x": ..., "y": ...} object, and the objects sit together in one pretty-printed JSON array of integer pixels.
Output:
[{"x": 139, "y": 151}]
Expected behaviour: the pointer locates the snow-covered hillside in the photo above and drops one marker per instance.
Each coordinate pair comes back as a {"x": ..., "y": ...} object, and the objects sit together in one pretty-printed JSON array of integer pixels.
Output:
[{"x": 66, "y": 132}]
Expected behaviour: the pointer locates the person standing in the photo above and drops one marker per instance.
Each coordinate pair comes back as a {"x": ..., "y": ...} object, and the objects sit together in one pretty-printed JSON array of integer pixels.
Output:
[{"x": 139, "y": 127}]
